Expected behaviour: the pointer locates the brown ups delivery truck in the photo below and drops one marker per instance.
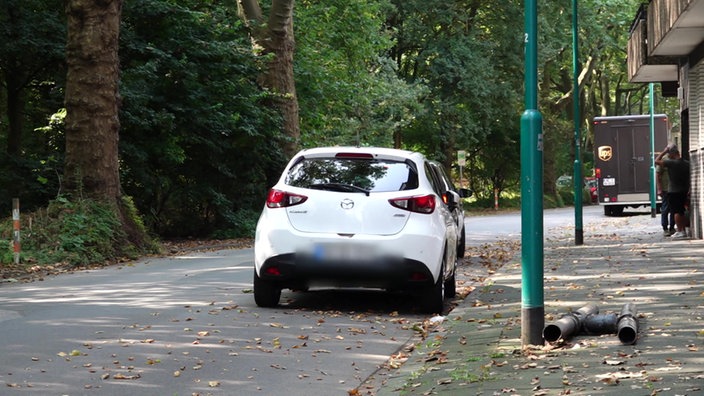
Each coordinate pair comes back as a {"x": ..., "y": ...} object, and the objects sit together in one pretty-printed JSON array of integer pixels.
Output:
[{"x": 623, "y": 159}]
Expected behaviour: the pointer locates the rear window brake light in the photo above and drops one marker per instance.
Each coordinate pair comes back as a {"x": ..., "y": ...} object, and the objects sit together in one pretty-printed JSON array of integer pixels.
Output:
[{"x": 354, "y": 155}]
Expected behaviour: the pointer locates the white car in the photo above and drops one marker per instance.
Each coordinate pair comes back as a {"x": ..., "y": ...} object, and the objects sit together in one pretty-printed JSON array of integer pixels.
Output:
[{"x": 360, "y": 217}]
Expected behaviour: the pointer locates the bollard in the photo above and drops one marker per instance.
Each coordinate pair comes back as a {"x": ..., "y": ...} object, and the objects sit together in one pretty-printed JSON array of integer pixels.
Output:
[
  {"x": 16, "y": 229},
  {"x": 627, "y": 327},
  {"x": 569, "y": 324}
]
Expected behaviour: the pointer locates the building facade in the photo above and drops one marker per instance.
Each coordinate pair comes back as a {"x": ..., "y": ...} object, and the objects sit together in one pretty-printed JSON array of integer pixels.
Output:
[{"x": 666, "y": 46}]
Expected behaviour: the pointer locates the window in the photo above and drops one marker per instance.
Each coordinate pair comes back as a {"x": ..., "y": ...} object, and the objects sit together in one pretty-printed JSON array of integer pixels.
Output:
[{"x": 372, "y": 175}]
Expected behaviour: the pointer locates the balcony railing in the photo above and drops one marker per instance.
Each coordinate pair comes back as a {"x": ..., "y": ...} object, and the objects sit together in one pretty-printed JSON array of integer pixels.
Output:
[{"x": 662, "y": 34}]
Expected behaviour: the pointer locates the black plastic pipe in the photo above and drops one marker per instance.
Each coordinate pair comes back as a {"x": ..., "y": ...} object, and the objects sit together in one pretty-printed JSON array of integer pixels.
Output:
[
  {"x": 600, "y": 324},
  {"x": 627, "y": 327},
  {"x": 569, "y": 324}
]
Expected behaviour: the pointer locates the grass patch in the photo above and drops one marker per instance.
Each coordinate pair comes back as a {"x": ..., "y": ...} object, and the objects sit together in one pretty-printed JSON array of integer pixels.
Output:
[
  {"x": 471, "y": 374},
  {"x": 77, "y": 233}
]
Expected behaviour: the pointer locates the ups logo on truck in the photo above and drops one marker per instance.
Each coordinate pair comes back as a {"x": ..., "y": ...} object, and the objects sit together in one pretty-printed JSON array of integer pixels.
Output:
[{"x": 605, "y": 153}]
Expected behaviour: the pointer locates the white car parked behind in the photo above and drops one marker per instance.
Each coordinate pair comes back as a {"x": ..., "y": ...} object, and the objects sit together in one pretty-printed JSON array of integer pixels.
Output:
[{"x": 360, "y": 217}]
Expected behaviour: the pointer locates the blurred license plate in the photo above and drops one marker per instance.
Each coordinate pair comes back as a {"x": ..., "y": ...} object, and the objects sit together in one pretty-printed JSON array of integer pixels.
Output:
[
  {"x": 345, "y": 252},
  {"x": 609, "y": 181}
]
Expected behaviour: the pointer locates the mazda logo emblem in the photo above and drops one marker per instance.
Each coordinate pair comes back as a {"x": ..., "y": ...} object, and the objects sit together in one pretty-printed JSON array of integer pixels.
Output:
[{"x": 347, "y": 203}]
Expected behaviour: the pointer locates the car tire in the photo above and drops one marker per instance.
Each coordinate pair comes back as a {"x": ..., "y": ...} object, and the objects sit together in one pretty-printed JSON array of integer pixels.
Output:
[
  {"x": 461, "y": 244},
  {"x": 266, "y": 294},
  {"x": 432, "y": 300}
]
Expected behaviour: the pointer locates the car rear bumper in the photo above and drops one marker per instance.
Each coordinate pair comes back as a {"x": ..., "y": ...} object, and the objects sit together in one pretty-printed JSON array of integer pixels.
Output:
[{"x": 301, "y": 271}]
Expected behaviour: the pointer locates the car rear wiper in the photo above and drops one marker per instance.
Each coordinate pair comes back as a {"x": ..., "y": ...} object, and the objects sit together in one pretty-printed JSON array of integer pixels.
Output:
[{"x": 339, "y": 187}]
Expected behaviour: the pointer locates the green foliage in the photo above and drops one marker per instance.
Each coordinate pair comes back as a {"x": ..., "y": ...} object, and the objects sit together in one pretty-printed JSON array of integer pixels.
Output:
[
  {"x": 565, "y": 195},
  {"x": 80, "y": 233},
  {"x": 470, "y": 58},
  {"x": 196, "y": 142},
  {"x": 486, "y": 203},
  {"x": 349, "y": 92},
  {"x": 553, "y": 201},
  {"x": 243, "y": 224},
  {"x": 32, "y": 43},
  {"x": 199, "y": 147},
  {"x": 7, "y": 254}
]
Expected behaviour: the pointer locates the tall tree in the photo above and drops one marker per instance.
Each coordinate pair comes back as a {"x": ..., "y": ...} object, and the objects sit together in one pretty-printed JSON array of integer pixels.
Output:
[
  {"x": 92, "y": 98},
  {"x": 92, "y": 102},
  {"x": 273, "y": 36}
]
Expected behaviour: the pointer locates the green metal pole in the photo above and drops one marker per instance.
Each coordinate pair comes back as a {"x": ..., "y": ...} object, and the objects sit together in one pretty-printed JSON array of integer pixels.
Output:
[
  {"x": 653, "y": 192},
  {"x": 532, "y": 305},
  {"x": 577, "y": 179}
]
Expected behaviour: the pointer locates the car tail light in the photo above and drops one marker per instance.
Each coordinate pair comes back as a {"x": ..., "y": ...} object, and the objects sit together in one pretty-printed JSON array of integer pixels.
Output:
[
  {"x": 283, "y": 199},
  {"x": 597, "y": 172},
  {"x": 420, "y": 204}
]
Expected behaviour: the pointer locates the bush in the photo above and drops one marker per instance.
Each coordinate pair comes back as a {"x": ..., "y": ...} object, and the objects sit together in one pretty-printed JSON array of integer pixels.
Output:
[
  {"x": 78, "y": 233},
  {"x": 241, "y": 224}
]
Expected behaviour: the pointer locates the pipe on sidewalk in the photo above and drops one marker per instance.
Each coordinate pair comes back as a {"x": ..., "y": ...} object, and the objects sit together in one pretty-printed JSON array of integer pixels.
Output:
[
  {"x": 600, "y": 324},
  {"x": 569, "y": 324},
  {"x": 588, "y": 320},
  {"x": 627, "y": 328}
]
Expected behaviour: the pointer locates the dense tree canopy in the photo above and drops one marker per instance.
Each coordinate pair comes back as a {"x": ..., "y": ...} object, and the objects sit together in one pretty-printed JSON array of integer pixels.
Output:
[{"x": 200, "y": 143}]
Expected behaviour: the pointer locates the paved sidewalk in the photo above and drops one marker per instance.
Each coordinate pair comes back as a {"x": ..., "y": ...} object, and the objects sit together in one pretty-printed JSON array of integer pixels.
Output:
[{"x": 477, "y": 349}]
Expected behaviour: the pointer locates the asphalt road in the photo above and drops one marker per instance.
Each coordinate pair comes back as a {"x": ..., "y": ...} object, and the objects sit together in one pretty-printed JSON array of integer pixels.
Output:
[{"x": 188, "y": 325}]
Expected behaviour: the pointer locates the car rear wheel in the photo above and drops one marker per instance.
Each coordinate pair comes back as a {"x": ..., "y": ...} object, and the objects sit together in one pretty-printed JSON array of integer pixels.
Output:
[
  {"x": 460, "y": 244},
  {"x": 266, "y": 294},
  {"x": 450, "y": 285},
  {"x": 432, "y": 300}
]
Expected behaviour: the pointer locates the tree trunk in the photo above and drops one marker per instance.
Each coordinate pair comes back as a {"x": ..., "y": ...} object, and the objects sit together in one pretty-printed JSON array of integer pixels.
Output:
[
  {"x": 92, "y": 104},
  {"x": 92, "y": 99},
  {"x": 275, "y": 36}
]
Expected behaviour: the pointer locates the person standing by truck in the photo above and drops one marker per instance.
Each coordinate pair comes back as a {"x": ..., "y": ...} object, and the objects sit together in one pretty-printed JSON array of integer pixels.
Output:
[
  {"x": 678, "y": 171},
  {"x": 667, "y": 216}
]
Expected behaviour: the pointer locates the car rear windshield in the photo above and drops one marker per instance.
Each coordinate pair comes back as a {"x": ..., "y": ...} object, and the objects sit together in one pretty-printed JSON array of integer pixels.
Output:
[{"x": 353, "y": 174}]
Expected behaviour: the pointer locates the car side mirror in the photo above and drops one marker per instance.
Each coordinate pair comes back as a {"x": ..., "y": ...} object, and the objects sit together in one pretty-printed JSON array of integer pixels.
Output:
[
  {"x": 451, "y": 199},
  {"x": 465, "y": 192}
]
